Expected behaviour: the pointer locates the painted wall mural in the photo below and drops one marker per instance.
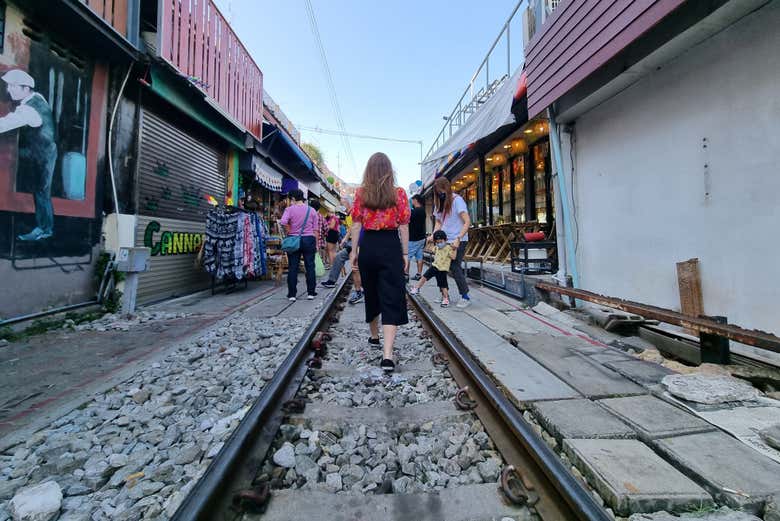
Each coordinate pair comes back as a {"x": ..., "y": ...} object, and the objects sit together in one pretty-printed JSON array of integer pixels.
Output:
[{"x": 51, "y": 99}]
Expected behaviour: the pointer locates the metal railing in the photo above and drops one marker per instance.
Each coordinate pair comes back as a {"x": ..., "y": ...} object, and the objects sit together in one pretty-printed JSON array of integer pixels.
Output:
[{"x": 481, "y": 87}]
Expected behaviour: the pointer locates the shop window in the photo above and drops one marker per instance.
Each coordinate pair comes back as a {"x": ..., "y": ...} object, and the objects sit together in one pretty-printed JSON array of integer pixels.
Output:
[
  {"x": 2, "y": 26},
  {"x": 518, "y": 166},
  {"x": 469, "y": 194},
  {"x": 539, "y": 158}
]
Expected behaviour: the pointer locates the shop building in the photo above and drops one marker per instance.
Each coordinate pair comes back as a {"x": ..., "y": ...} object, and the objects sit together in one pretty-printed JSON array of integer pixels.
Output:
[
  {"x": 189, "y": 109},
  {"x": 668, "y": 132},
  {"x": 499, "y": 161},
  {"x": 61, "y": 60}
]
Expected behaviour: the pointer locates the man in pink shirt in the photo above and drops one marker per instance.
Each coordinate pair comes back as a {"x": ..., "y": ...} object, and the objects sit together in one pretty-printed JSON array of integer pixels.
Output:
[{"x": 301, "y": 219}]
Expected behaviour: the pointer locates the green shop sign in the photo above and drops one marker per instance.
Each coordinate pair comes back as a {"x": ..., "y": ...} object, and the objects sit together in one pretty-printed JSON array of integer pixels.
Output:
[{"x": 171, "y": 243}]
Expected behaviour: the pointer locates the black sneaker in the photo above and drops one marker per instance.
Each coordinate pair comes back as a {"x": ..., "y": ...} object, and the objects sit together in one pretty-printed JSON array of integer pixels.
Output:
[
  {"x": 387, "y": 365},
  {"x": 373, "y": 341},
  {"x": 357, "y": 296},
  {"x": 417, "y": 277},
  {"x": 328, "y": 284},
  {"x": 311, "y": 296}
]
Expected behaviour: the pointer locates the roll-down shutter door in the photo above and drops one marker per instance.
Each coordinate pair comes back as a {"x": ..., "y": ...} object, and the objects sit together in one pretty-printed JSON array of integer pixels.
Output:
[{"x": 177, "y": 172}]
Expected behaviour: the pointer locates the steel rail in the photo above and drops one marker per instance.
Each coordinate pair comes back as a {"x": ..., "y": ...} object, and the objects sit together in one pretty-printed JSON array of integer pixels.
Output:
[
  {"x": 199, "y": 503},
  {"x": 755, "y": 338},
  {"x": 580, "y": 500}
]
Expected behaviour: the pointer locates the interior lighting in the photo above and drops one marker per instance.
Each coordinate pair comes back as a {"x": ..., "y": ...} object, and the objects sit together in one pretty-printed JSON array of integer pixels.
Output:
[
  {"x": 529, "y": 131},
  {"x": 490, "y": 159},
  {"x": 519, "y": 146},
  {"x": 507, "y": 146}
]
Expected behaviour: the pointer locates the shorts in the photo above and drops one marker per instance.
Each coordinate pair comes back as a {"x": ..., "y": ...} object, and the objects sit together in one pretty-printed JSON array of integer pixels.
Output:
[
  {"x": 440, "y": 276},
  {"x": 332, "y": 237},
  {"x": 416, "y": 250}
]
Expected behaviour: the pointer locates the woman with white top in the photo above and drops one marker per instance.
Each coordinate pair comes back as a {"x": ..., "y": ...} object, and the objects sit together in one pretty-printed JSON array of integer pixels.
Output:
[{"x": 452, "y": 217}]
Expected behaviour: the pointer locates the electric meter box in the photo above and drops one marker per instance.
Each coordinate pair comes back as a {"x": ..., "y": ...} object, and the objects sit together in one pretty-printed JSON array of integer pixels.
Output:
[{"x": 133, "y": 260}]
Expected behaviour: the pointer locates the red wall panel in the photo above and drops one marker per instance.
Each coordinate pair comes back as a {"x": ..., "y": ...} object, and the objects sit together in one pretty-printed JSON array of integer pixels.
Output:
[
  {"x": 580, "y": 37},
  {"x": 197, "y": 40}
]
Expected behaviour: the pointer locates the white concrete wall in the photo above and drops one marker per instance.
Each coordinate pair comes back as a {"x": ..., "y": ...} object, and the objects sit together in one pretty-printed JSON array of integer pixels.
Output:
[{"x": 648, "y": 194}]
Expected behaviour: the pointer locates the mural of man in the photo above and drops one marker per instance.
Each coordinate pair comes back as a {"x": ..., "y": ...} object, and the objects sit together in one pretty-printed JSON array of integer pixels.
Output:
[{"x": 37, "y": 148}]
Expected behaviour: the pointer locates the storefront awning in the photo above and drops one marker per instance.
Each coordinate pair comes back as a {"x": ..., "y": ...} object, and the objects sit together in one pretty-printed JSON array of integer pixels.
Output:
[
  {"x": 494, "y": 114},
  {"x": 267, "y": 176},
  {"x": 286, "y": 153},
  {"x": 179, "y": 93}
]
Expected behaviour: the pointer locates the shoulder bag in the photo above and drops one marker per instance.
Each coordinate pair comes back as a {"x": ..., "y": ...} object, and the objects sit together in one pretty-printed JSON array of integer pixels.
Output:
[{"x": 292, "y": 243}]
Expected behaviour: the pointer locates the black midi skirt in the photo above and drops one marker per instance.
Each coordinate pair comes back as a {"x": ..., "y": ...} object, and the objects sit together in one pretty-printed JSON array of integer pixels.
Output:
[{"x": 381, "y": 265}]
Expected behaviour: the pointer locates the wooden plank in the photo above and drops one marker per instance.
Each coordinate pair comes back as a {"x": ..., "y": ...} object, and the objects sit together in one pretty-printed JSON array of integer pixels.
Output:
[
  {"x": 175, "y": 28},
  {"x": 184, "y": 37},
  {"x": 120, "y": 16},
  {"x": 97, "y": 6},
  {"x": 689, "y": 284},
  {"x": 108, "y": 12},
  {"x": 199, "y": 18},
  {"x": 167, "y": 28}
]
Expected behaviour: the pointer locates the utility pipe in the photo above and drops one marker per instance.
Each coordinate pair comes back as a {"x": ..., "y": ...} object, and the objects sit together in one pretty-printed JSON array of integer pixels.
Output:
[{"x": 571, "y": 256}]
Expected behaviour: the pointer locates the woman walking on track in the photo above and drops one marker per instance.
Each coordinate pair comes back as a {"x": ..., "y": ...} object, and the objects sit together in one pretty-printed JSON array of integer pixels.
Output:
[
  {"x": 382, "y": 210},
  {"x": 332, "y": 238},
  {"x": 301, "y": 219},
  {"x": 452, "y": 216}
]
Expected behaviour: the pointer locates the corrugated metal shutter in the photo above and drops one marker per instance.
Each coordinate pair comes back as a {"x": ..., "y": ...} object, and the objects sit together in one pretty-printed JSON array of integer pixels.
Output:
[
  {"x": 176, "y": 173},
  {"x": 172, "y": 274}
]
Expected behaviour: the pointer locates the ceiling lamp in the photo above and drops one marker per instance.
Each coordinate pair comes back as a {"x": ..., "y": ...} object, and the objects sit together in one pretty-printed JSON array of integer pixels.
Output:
[
  {"x": 519, "y": 146},
  {"x": 499, "y": 159},
  {"x": 529, "y": 131}
]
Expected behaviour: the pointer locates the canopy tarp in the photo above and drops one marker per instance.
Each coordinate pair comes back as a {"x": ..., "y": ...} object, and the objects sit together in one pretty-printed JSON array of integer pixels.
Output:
[{"x": 495, "y": 113}]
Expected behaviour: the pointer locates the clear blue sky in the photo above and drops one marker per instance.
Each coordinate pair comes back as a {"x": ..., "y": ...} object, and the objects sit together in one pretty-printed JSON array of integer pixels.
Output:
[{"x": 398, "y": 67}]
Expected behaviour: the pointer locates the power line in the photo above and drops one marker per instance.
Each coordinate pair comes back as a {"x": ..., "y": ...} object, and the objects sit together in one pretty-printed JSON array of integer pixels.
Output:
[
  {"x": 331, "y": 86},
  {"x": 362, "y": 136},
  {"x": 367, "y": 136}
]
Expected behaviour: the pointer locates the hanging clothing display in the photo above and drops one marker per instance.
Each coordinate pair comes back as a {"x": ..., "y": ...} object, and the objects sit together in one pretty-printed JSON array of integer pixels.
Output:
[{"x": 235, "y": 244}]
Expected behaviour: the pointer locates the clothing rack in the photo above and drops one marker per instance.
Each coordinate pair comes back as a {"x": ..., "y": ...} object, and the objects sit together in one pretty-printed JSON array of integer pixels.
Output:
[{"x": 234, "y": 248}]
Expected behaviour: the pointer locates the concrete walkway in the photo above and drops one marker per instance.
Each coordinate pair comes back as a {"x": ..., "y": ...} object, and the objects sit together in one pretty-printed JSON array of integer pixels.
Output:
[
  {"x": 48, "y": 375},
  {"x": 605, "y": 411}
]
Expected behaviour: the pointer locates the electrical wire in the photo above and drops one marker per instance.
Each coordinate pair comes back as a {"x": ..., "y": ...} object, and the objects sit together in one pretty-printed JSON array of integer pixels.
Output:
[
  {"x": 362, "y": 136},
  {"x": 331, "y": 86},
  {"x": 572, "y": 145},
  {"x": 110, "y": 134}
]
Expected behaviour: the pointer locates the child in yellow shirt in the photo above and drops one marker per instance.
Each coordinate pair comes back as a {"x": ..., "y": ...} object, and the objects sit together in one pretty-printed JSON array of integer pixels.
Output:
[{"x": 443, "y": 256}]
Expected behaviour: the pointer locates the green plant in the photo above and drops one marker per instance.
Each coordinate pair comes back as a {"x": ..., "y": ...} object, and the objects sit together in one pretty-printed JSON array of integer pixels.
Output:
[
  {"x": 112, "y": 301},
  {"x": 6, "y": 333}
]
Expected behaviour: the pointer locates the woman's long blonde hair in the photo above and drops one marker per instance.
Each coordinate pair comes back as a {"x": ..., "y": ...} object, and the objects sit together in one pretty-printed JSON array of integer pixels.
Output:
[{"x": 378, "y": 188}]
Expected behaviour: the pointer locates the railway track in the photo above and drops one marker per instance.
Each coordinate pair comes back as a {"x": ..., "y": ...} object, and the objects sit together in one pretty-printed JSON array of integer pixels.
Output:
[{"x": 332, "y": 437}]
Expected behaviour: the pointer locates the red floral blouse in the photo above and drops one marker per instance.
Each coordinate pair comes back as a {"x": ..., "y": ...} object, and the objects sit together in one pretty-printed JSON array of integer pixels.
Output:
[{"x": 386, "y": 218}]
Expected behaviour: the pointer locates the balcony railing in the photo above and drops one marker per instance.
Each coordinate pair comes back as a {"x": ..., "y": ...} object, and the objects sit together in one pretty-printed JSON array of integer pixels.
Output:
[
  {"x": 195, "y": 38},
  {"x": 485, "y": 81},
  {"x": 114, "y": 12}
]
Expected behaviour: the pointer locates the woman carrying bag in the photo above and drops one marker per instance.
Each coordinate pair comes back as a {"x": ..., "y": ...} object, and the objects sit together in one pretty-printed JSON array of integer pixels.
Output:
[
  {"x": 382, "y": 255},
  {"x": 301, "y": 225}
]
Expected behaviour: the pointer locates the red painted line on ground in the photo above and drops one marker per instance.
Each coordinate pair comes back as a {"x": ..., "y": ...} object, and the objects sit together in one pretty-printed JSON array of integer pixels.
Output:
[
  {"x": 592, "y": 341},
  {"x": 188, "y": 331},
  {"x": 528, "y": 313}
]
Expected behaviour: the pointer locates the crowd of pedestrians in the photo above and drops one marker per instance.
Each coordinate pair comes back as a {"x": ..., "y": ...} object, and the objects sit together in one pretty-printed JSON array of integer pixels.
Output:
[{"x": 379, "y": 237}]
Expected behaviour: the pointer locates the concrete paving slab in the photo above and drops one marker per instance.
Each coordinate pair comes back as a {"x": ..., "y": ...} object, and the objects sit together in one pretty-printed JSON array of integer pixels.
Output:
[
  {"x": 632, "y": 478},
  {"x": 498, "y": 322},
  {"x": 560, "y": 356},
  {"x": 733, "y": 472},
  {"x": 466, "y": 503},
  {"x": 579, "y": 419},
  {"x": 640, "y": 371},
  {"x": 607, "y": 355},
  {"x": 654, "y": 418},
  {"x": 525, "y": 379}
]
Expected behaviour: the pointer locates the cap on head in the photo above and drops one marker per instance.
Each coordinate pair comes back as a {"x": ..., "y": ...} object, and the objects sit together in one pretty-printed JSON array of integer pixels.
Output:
[{"x": 19, "y": 77}]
